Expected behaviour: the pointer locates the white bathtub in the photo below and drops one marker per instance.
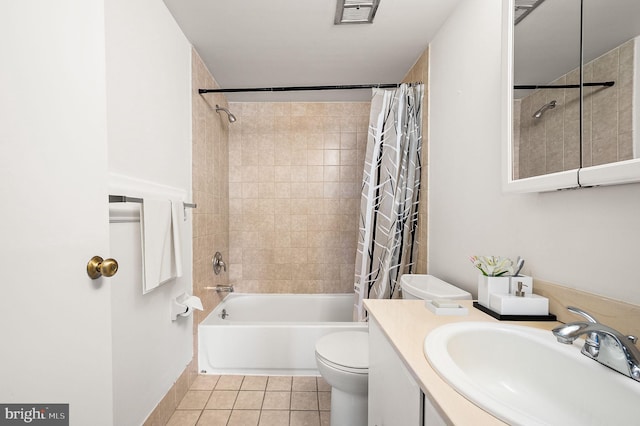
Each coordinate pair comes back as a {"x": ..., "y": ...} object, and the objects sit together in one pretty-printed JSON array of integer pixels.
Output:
[{"x": 271, "y": 334}]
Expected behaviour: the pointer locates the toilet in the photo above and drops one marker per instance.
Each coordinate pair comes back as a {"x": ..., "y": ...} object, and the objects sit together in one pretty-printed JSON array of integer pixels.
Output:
[
  {"x": 343, "y": 357},
  {"x": 343, "y": 361},
  {"x": 428, "y": 287}
]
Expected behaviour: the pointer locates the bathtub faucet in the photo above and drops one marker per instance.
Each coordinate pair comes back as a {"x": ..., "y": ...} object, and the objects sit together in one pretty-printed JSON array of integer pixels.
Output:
[
  {"x": 218, "y": 263},
  {"x": 221, "y": 288}
]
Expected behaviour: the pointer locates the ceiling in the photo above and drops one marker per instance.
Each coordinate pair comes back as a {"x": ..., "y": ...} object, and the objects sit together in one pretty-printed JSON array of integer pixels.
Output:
[{"x": 258, "y": 43}]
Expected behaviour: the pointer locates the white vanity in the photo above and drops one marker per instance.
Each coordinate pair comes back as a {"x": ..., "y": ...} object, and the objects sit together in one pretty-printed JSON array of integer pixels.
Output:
[
  {"x": 394, "y": 394},
  {"x": 403, "y": 387}
]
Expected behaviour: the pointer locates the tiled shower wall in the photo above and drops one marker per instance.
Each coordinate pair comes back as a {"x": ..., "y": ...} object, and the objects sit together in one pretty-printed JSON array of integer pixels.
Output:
[
  {"x": 210, "y": 162},
  {"x": 551, "y": 143},
  {"x": 295, "y": 172}
]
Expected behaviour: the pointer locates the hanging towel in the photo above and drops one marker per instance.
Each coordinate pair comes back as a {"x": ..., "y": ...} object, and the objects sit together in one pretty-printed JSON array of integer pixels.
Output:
[
  {"x": 161, "y": 259},
  {"x": 177, "y": 217}
]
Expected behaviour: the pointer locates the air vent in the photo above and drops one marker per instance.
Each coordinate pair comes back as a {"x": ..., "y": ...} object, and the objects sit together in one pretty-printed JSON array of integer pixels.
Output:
[{"x": 356, "y": 11}]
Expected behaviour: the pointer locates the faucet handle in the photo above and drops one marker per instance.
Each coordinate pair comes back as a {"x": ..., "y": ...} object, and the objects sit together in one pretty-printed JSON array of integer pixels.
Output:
[
  {"x": 632, "y": 339},
  {"x": 586, "y": 315},
  {"x": 218, "y": 263}
]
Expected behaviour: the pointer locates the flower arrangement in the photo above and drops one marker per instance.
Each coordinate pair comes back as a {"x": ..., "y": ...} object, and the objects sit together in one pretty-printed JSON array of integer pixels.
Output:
[{"x": 493, "y": 266}]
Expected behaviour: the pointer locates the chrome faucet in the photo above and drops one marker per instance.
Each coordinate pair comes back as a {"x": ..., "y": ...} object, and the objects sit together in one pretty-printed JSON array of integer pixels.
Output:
[
  {"x": 603, "y": 344},
  {"x": 218, "y": 263},
  {"x": 221, "y": 288}
]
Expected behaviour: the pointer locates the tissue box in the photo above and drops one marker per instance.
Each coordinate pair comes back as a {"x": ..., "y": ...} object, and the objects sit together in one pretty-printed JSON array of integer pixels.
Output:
[
  {"x": 530, "y": 304},
  {"x": 491, "y": 285}
]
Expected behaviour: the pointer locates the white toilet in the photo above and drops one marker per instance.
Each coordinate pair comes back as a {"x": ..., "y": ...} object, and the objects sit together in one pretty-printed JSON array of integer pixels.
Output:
[
  {"x": 343, "y": 361},
  {"x": 428, "y": 287},
  {"x": 343, "y": 357}
]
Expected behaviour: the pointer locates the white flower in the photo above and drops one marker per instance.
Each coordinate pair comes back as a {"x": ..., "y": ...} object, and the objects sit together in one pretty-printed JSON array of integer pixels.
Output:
[{"x": 493, "y": 266}]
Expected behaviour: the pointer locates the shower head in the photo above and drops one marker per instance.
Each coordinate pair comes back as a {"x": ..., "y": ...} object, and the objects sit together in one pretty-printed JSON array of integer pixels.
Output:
[
  {"x": 231, "y": 117},
  {"x": 538, "y": 113}
]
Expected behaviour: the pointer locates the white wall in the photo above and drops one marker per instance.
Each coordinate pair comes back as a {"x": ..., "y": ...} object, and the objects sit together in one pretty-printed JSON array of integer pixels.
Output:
[
  {"x": 148, "y": 64},
  {"x": 586, "y": 239}
]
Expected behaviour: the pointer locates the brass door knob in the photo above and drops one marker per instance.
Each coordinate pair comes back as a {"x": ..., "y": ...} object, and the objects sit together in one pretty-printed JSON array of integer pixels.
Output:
[{"x": 98, "y": 267}]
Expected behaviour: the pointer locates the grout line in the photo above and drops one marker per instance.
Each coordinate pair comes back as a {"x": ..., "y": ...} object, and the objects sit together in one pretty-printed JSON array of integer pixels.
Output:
[{"x": 261, "y": 410}]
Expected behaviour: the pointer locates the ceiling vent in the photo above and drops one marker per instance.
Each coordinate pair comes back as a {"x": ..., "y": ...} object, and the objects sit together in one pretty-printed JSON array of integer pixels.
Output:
[{"x": 356, "y": 11}]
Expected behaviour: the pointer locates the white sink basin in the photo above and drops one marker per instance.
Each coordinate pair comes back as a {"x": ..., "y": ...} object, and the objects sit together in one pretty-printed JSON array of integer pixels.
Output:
[{"x": 524, "y": 376}]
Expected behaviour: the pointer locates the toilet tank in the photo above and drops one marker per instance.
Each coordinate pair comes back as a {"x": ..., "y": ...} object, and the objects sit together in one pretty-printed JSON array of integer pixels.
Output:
[{"x": 428, "y": 287}]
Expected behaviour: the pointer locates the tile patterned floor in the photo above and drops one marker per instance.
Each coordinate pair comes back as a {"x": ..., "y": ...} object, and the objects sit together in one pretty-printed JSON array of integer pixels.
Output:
[{"x": 254, "y": 401}]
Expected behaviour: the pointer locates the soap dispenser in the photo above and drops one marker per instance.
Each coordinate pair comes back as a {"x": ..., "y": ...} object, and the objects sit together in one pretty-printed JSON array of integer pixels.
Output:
[{"x": 519, "y": 291}]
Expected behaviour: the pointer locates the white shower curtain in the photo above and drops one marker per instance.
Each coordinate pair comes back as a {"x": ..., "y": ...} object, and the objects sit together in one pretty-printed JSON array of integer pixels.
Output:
[{"x": 390, "y": 190}]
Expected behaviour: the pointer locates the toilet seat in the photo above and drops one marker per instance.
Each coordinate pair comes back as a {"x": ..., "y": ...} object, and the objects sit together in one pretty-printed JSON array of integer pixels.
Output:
[{"x": 346, "y": 351}]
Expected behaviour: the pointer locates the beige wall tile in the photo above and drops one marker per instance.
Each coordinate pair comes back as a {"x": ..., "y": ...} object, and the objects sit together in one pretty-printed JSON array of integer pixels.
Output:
[
  {"x": 554, "y": 146},
  {"x": 302, "y": 201},
  {"x": 217, "y": 175}
]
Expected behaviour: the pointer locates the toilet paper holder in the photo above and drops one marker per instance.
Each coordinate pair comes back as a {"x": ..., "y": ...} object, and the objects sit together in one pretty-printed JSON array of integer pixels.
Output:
[{"x": 184, "y": 305}]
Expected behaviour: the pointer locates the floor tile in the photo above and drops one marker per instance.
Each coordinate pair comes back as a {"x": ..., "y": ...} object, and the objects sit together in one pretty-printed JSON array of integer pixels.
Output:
[
  {"x": 237, "y": 400},
  {"x": 254, "y": 383},
  {"x": 279, "y": 383},
  {"x": 184, "y": 418},
  {"x": 194, "y": 400},
  {"x": 323, "y": 385},
  {"x": 276, "y": 401},
  {"x": 244, "y": 418},
  {"x": 305, "y": 418},
  {"x": 325, "y": 418},
  {"x": 304, "y": 384},
  {"x": 229, "y": 383},
  {"x": 324, "y": 401},
  {"x": 214, "y": 418},
  {"x": 221, "y": 400},
  {"x": 249, "y": 400},
  {"x": 205, "y": 382},
  {"x": 274, "y": 418},
  {"x": 304, "y": 401}
]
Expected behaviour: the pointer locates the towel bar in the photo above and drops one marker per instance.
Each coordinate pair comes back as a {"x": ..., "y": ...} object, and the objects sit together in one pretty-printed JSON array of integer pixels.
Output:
[{"x": 126, "y": 199}]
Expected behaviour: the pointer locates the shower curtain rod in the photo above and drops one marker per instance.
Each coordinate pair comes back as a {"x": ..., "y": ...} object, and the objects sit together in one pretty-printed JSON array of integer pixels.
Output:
[
  {"x": 563, "y": 86},
  {"x": 300, "y": 88}
]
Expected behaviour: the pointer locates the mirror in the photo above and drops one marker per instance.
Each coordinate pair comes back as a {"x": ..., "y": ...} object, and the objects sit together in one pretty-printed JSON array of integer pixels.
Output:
[
  {"x": 546, "y": 122},
  {"x": 549, "y": 143},
  {"x": 610, "y": 44}
]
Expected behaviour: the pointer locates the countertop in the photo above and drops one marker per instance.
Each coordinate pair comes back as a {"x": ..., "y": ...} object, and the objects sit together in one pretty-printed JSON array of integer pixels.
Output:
[{"x": 406, "y": 323}]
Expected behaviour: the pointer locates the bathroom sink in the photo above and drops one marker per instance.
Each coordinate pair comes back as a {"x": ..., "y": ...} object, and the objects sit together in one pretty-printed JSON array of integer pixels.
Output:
[{"x": 522, "y": 375}]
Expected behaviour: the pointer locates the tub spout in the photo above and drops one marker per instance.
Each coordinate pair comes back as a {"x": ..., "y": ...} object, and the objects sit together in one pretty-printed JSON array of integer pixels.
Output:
[{"x": 221, "y": 288}]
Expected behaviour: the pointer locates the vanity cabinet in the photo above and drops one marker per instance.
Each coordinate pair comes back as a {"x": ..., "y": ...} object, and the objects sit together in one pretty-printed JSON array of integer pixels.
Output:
[{"x": 395, "y": 398}]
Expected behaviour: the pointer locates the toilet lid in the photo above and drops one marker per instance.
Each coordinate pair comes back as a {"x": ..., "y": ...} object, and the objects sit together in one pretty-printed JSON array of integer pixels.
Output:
[{"x": 349, "y": 349}]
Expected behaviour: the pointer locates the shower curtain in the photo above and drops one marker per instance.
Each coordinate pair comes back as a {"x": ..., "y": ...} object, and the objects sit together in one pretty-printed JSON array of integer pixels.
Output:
[{"x": 390, "y": 190}]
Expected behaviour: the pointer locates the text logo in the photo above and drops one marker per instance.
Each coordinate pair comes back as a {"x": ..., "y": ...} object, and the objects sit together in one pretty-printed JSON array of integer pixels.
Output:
[{"x": 34, "y": 414}]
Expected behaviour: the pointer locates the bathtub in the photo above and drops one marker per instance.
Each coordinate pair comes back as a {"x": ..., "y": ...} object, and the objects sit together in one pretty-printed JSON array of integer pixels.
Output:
[{"x": 271, "y": 334}]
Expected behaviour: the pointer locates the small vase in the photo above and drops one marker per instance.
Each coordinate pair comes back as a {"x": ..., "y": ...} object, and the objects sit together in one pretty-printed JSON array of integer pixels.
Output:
[{"x": 491, "y": 285}]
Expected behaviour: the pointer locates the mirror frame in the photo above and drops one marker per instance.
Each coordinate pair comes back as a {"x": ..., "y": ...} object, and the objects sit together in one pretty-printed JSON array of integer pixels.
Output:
[{"x": 606, "y": 174}]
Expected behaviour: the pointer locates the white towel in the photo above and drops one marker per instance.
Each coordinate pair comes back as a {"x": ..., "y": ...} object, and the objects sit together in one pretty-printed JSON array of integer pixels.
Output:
[
  {"x": 177, "y": 217},
  {"x": 159, "y": 224}
]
